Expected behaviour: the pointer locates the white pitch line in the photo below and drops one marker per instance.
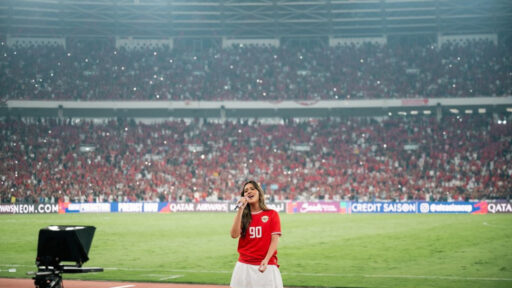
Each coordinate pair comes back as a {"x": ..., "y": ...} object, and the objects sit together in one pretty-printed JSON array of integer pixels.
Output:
[
  {"x": 343, "y": 275},
  {"x": 171, "y": 277},
  {"x": 402, "y": 276},
  {"x": 125, "y": 286},
  {"x": 170, "y": 270},
  {"x": 161, "y": 276},
  {"x": 494, "y": 226},
  {"x": 314, "y": 275},
  {"x": 439, "y": 277}
]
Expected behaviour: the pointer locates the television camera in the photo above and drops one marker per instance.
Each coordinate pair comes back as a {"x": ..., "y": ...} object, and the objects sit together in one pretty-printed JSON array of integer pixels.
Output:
[{"x": 58, "y": 245}]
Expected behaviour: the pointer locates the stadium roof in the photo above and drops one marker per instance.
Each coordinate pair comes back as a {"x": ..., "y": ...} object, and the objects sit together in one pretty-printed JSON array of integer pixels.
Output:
[{"x": 252, "y": 18}]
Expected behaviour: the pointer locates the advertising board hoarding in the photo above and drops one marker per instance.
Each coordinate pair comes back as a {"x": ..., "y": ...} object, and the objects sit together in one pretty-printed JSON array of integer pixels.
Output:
[{"x": 340, "y": 207}]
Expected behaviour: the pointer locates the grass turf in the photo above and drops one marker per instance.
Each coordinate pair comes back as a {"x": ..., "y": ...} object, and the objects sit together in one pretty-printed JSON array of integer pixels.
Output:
[{"x": 328, "y": 250}]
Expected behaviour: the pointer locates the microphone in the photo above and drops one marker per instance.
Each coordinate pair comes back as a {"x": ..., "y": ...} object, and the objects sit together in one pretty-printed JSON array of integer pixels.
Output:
[{"x": 239, "y": 204}]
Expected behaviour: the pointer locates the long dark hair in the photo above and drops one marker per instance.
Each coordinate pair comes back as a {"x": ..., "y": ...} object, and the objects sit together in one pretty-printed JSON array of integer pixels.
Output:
[{"x": 246, "y": 215}]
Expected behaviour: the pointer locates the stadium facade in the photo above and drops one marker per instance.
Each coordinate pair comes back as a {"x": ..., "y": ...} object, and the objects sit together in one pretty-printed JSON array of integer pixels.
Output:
[{"x": 219, "y": 23}]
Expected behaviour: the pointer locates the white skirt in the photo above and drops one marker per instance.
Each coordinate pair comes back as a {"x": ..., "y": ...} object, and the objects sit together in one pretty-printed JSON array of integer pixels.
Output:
[{"x": 248, "y": 276}]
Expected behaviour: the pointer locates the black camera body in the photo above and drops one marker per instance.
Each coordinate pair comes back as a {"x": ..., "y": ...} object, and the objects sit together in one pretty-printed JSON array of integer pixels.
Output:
[{"x": 58, "y": 245}]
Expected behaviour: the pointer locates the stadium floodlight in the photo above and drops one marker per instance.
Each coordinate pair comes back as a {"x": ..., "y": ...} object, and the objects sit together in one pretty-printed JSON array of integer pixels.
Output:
[{"x": 58, "y": 244}]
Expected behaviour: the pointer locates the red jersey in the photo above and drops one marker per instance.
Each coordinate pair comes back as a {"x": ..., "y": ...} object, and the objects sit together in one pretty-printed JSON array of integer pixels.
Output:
[{"x": 253, "y": 247}]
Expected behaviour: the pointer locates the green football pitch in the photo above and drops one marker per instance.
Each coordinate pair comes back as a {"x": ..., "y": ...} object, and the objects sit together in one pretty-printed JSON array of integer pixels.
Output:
[{"x": 327, "y": 250}]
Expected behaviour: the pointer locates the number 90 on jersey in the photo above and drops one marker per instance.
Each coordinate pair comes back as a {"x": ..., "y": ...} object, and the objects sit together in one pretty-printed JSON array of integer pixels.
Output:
[{"x": 255, "y": 232}]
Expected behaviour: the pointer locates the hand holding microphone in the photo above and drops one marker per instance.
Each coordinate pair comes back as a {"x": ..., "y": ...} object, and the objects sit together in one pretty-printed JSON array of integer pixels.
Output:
[{"x": 241, "y": 203}]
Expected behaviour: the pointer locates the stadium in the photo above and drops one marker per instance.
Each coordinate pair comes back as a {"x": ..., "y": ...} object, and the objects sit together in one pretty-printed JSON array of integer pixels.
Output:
[{"x": 379, "y": 130}]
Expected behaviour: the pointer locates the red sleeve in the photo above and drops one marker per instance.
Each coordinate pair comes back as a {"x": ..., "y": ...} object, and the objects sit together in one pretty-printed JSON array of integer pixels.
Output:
[{"x": 275, "y": 227}]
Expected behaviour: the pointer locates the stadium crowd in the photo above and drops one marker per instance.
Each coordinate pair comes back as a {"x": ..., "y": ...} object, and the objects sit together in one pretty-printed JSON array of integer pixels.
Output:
[
  {"x": 462, "y": 157},
  {"x": 103, "y": 72}
]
